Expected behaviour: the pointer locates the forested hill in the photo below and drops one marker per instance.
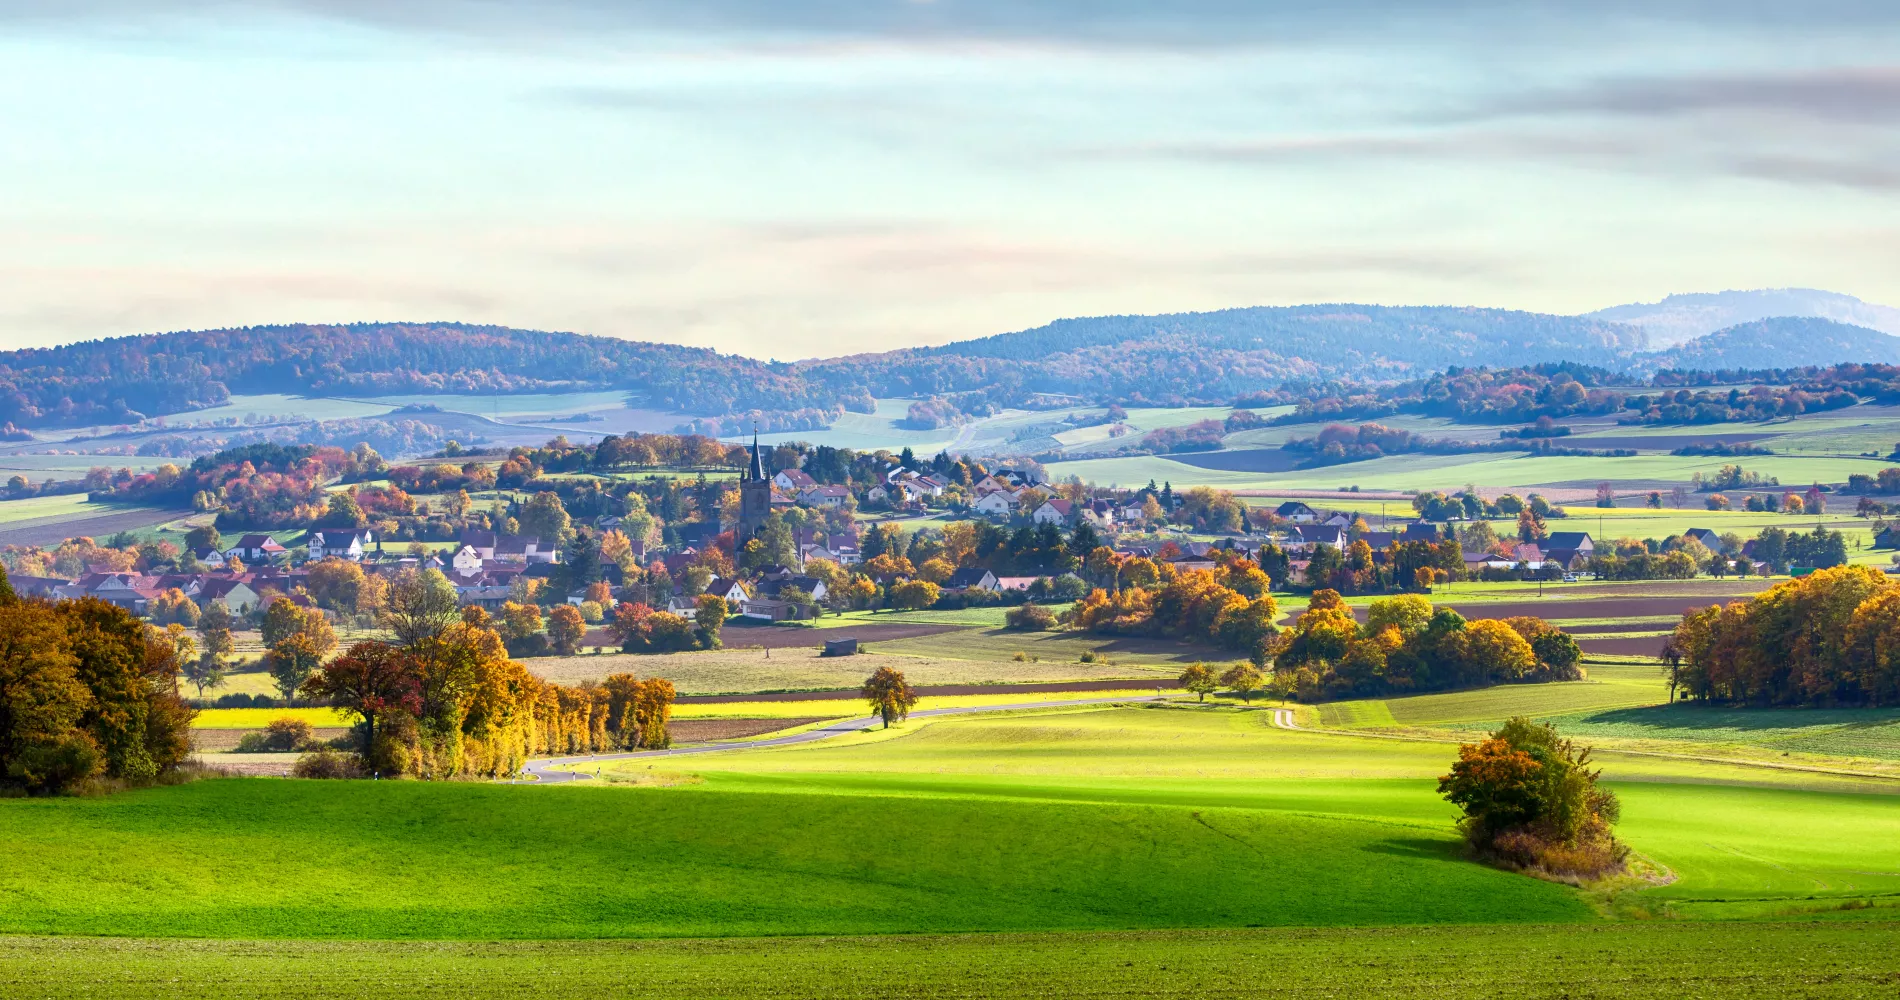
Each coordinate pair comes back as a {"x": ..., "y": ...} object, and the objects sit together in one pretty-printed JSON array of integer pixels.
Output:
[
  {"x": 1781, "y": 342},
  {"x": 124, "y": 378},
  {"x": 1211, "y": 356}
]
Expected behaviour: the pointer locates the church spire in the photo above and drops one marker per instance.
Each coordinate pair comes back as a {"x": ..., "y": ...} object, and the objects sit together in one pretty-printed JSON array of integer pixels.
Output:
[{"x": 758, "y": 461}]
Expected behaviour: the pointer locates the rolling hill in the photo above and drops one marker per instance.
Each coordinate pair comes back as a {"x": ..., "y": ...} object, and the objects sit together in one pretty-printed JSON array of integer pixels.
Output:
[
  {"x": 1681, "y": 318},
  {"x": 1780, "y": 342}
]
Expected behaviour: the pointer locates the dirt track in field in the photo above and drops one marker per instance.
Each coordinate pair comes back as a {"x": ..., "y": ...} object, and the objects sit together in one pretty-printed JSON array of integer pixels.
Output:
[
  {"x": 775, "y": 637},
  {"x": 711, "y": 730}
]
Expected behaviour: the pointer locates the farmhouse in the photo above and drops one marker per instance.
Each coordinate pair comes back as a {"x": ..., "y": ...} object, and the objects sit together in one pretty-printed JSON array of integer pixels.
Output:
[
  {"x": 999, "y": 503},
  {"x": 793, "y": 481},
  {"x": 340, "y": 544},
  {"x": 256, "y": 548},
  {"x": 972, "y": 578},
  {"x": 1296, "y": 512},
  {"x": 1054, "y": 511}
]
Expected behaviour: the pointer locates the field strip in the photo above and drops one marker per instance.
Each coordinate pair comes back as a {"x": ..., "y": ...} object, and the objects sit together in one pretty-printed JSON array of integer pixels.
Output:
[
  {"x": 541, "y": 770},
  {"x": 1283, "y": 719}
]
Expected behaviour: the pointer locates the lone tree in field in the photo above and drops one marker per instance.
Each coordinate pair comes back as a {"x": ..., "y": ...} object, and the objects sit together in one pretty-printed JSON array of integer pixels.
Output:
[
  {"x": 1200, "y": 680},
  {"x": 1532, "y": 801},
  {"x": 1243, "y": 679},
  {"x": 890, "y": 695}
]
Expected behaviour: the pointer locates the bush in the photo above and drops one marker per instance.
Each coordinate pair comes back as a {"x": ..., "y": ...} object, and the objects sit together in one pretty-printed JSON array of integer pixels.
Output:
[
  {"x": 328, "y": 764},
  {"x": 281, "y": 736},
  {"x": 1531, "y": 801},
  {"x": 533, "y": 644},
  {"x": 245, "y": 701},
  {"x": 1029, "y": 618}
]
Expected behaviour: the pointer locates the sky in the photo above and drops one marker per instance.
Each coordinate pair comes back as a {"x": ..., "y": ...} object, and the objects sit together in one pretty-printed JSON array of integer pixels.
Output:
[{"x": 790, "y": 180}]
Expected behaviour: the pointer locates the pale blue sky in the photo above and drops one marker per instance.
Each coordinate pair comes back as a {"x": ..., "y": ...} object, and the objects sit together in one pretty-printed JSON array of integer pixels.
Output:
[{"x": 789, "y": 180}]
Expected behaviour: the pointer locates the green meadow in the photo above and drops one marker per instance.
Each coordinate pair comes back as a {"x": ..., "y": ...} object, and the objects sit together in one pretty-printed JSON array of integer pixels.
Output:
[{"x": 1710, "y": 961}]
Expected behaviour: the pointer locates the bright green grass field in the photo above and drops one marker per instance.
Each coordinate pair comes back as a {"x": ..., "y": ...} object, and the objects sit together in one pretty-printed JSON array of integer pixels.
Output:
[
  {"x": 1637, "y": 961},
  {"x": 1079, "y": 819},
  {"x": 415, "y": 860}
]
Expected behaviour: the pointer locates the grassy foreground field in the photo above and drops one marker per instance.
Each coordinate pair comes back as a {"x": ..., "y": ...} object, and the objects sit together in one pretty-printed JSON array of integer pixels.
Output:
[{"x": 1711, "y": 961}]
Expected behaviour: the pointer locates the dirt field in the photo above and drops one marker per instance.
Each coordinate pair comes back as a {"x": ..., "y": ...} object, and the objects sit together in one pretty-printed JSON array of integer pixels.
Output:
[
  {"x": 1641, "y": 646},
  {"x": 737, "y": 636},
  {"x": 736, "y": 671},
  {"x": 46, "y": 531},
  {"x": 712, "y": 730}
]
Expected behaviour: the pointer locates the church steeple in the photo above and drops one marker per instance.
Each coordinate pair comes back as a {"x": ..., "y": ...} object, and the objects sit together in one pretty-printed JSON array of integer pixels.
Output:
[{"x": 757, "y": 471}]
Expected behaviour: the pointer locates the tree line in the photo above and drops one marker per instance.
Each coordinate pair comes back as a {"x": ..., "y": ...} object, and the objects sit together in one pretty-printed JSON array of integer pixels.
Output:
[{"x": 1829, "y": 638}]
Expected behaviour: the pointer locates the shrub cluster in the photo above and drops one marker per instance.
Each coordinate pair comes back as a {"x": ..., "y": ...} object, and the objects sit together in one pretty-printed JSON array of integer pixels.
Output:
[{"x": 1531, "y": 801}]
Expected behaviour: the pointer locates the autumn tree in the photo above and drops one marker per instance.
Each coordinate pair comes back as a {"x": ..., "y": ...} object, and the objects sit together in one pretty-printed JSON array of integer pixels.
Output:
[
  {"x": 1200, "y": 680},
  {"x": 709, "y": 619},
  {"x": 291, "y": 662},
  {"x": 1243, "y": 679},
  {"x": 890, "y": 695},
  {"x": 566, "y": 629},
  {"x": 914, "y": 595},
  {"x": 420, "y": 606},
  {"x": 369, "y": 679},
  {"x": 653, "y": 707}
]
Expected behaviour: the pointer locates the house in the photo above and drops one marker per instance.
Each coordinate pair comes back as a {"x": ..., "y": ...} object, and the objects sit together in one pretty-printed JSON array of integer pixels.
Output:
[
  {"x": 1014, "y": 582},
  {"x": 1297, "y": 513},
  {"x": 972, "y": 578},
  {"x": 236, "y": 596},
  {"x": 1306, "y": 536},
  {"x": 1054, "y": 511},
  {"x": 37, "y": 586},
  {"x": 770, "y": 604},
  {"x": 1378, "y": 540},
  {"x": 466, "y": 560},
  {"x": 487, "y": 596},
  {"x": 1475, "y": 561},
  {"x": 255, "y": 548},
  {"x": 483, "y": 542},
  {"x": 990, "y": 484},
  {"x": 1707, "y": 536},
  {"x": 1000, "y": 503},
  {"x": 1577, "y": 541},
  {"x": 1530, "y": 555},
  {"x": 1101, "y": 521},
  {"x": 1338, "y": 519},
  {"x": 731, "y": 591},
  {"x": 130, "y": 591},
  {"x": 340, "y": 544},
  {"x": 208, "y": 557},
  {"x": 1015, "y": 479},
  {"x": 824, "y": 496},
  {"x": 793, "y": 481},
  {"x": 1422, "y": 531}
]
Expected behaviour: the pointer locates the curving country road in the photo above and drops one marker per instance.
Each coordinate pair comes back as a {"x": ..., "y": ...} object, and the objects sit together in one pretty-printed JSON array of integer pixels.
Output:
[{"x": 543, "y": 770}]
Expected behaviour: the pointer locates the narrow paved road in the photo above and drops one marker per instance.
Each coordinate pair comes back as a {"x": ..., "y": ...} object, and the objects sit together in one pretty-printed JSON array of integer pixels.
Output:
[{"x": 544, "y": 770}]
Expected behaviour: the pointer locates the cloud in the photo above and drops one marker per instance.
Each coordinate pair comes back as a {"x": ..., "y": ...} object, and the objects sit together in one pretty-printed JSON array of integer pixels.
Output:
[
  {"x": 1115, "y": 23},
  {"x": 1856, "y": 95}
]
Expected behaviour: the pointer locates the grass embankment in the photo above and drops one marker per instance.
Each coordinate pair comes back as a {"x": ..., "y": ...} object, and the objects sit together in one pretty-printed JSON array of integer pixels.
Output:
[
  {"x": 1082, "y": 819},
  {"x": 415, "y": 860},
  {"x": 1637, "y": 961},
  {"x": 1624, "y": 707}
]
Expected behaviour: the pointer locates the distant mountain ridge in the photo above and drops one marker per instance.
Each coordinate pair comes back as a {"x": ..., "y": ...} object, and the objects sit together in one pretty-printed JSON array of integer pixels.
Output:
[
  {"x": 1165, "y": 360},
  {"x": 1678, "y": 319},
  {"x": 1779, "y": 342}
]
